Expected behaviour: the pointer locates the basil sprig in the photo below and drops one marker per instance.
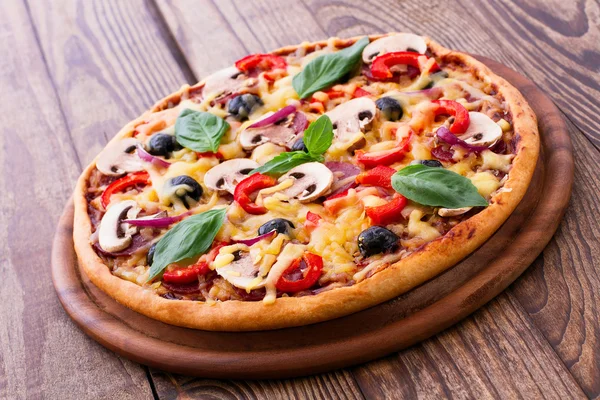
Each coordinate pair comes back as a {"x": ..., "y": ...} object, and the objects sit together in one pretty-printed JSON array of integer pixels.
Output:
[
  {"x": 327, "y": 69},
  {"x": 317, "y": 139},
  {"x": 187, "y": 239},
  {"x": 436, "y": 187},
  {"x": 200, "y": 131}
]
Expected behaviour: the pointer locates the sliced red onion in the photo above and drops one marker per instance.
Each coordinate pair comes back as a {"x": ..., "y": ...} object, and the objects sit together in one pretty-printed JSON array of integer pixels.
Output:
[
  {"x": 153, "y": 221},
  {"x": 444, "y": 134},
  {"x": 250, "y": 242},
  {"x": 145, "y": 156},
  {"x": 346, "y": 168},
  {"x": 431, "y": 92},
  {"x": 138, "y": 243},
  {"x": 300, "y": 123},
  {"x": 273, "y": 118}
]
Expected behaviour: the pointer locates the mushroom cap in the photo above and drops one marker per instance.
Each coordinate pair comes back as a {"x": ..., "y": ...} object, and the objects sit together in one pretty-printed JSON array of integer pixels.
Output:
[
  {"x": 223, "y": 81},
  {"x": 228, "y": 174},
  {"x": 281, "y": 134},
  {"x": 311, "y": 180},
  {"x": 453, "y": 212},
  {"x": 482, "y": 130},
  {"x": 119, "y": 158},
  {"x": 388, "y": 44},
  {"x": 352, "y": 117},
  {"x": 241, "y": 273},
  {"x": 113, "y": 234}
]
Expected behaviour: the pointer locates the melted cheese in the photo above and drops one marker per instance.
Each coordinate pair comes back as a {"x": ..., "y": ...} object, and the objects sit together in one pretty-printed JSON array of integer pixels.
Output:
[
  {"x": 290, "y": 253},
  {"x": 485, "y": 182},
  {"x": 421, "y": 229}
]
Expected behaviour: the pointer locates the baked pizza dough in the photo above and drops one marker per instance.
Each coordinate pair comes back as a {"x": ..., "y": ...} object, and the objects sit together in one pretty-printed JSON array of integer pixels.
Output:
[{"x": 329, "y": 233}]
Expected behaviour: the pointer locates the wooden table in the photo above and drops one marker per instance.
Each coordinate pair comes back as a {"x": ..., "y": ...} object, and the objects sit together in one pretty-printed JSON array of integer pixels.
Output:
[{"x": 73, "y": 72}]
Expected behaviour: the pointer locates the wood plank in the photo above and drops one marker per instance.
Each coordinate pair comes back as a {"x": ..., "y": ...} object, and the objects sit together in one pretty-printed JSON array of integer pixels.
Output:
[
  {"x": 556, "y": 44},
  {"x": 335, "y": 385},
  {"x": 110, "y": 61},
  {"x": 42, "y": 353}
]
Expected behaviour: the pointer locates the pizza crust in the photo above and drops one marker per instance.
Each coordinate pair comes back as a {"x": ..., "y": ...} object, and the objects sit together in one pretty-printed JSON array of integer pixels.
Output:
[{"x": 425, "y": 263}]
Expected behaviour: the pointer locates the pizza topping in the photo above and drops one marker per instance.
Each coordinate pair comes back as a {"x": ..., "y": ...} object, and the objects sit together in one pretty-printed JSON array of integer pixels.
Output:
[
  {"x": 453, "y": 212},
  {"x": 384, "y": 157},
  {"x": 379, "y": 176},
  {"x": 264, "y": 62},
  {"x": 390, "y": 108},
  {"x": 436, "y": 187},
  {"x": 227, "y": 80},
  {"x": 189, "y": 238},
  {"x": 387, "y": 213},
  {"x": 460, "y": 116},
  {"x": 394, "y": 43},
  {"x": 137, "y": 178},
  {"x": 482, "y": 131},
  {"x": 186, "y": 274},
  {"x": 352, "y": 117},
  {"x": 279, "y": 225},
  {"x": 302, "y": 274},
  {"x": 344, "y": 176},
  {"x": 145, "y": 156},
  {"x": 382, "y": 67},
  {"x": 279, "y": 134},
  {"x": 240, "y": 107},
  {"x": 158, "y": 220},
  {"x": 226, "y": 175},
  {"x": 118, "y": 158},
  {"x": 375, "y": 240},
  {"x": 240, "y": 271},
  {"x": 200, "y": 131},
  {"x": 162, "y": 144},
  {"x": 299, "y": 145},
  {"x": 250, "y": 185},
  {"x": 427, "y": 163},
  {"x": 113, "y": 234},
  {"x": 183, "y": 190},
  {"x": 327, "y": 69},
  {"x": 311, "y": 180}
]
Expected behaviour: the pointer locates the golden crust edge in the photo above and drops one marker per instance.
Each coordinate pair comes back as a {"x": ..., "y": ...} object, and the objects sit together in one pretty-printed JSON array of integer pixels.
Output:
[{"x": 421, "y": 266}]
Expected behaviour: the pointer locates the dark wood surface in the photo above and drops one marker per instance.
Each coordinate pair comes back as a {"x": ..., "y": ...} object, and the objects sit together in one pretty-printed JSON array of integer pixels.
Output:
[
  {"x": 74, "y": 71},
  {"x": 359, "y": 337}
]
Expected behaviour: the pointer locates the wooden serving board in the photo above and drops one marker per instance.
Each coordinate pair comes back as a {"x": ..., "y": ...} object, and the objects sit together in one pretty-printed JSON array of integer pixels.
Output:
[{"x": 369, "y": 334}]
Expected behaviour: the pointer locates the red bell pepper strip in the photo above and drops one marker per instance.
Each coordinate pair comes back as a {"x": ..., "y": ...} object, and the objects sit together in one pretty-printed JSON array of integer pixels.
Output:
[
  {"x": 380, "y": 69},
  {"x": 384, "y": 157},
  {"x": 387, "y": 213},
  {"x": 265, "y": 62},
  {"x": 312, "y": 220},
  {"x": 343, "y": 192},
  {"x": 248, "y": 186},
  {"x": 312, "y": 272},
  {"x": 137, "y": 178},
  {"x": 455, "y": 109},
  {"x": 190, "y": 273},
  {"x": 379, "y": 176},
  {"x": 360, "y": 92}
]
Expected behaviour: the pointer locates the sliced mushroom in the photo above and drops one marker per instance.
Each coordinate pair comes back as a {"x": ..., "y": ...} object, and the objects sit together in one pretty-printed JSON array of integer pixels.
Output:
[
  {"x": 281, "y": 134},
  {"x": 241, "y": 272},
  {"x": 352, "y": 117},
  {"x": 228, "y": 174},
  {"x": 115, "y": 235},
  {"x": 453, "y": 212},
  {"x": 399, "y": 42},
  {"x": 224, "y": 81},
  {"x": 119, "y": 158},
  {"x": 311, "y": 180},
  {"x": 482, "y": 130}
]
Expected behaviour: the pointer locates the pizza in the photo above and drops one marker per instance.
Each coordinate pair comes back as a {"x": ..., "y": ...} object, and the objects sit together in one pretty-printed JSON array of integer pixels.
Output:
[{"x": 305, "y": 184}]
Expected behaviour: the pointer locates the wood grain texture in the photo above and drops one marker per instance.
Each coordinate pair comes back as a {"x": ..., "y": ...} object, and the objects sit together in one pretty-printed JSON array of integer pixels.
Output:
[{"x": 42, "y": 353}]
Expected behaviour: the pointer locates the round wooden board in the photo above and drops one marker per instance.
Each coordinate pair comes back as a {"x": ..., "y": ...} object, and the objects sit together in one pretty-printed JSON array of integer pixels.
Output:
[{"x": 372, "y": 333}]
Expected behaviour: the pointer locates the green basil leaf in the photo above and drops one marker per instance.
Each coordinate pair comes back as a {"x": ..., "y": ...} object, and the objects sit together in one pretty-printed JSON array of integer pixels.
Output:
[
  {"x": 285, "y": 161},
  {"x": 200, "y": 131},
  {"x": 189, "y": 238},
  {"x": 327, "y": 69},
  {"x": 319, "y": 135},
  {"x": 436, "y": 187}
]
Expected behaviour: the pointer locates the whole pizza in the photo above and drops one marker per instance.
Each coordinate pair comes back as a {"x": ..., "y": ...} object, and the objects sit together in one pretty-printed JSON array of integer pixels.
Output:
[{"x": 304, "y": 184}]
